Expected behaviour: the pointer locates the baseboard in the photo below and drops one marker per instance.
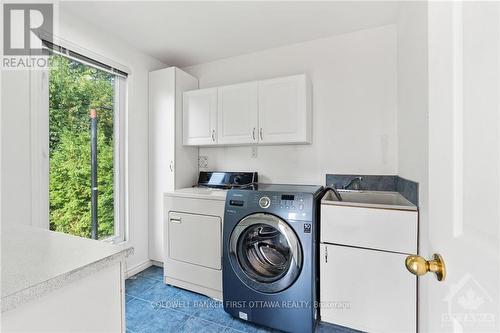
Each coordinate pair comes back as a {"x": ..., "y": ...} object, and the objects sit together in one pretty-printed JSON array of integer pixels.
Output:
[
  {"x": 215, "y": 294},
  {"x": 138, "y": 268},
  {"x": 156, "y": 263}
]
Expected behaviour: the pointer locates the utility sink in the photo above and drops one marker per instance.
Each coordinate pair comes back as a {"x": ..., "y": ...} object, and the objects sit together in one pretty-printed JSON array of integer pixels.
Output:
[{"x": 373, "y": 199}]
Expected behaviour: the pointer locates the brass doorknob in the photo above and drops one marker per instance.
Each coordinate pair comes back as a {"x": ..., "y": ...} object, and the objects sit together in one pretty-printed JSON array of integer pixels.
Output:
[{"x": 419, "y": 266}]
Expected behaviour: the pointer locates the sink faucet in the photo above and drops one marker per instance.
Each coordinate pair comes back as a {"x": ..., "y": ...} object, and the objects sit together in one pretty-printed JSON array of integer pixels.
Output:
[
  {"x": 335, "y": 192},
  {"x": 355, "y": 183}
]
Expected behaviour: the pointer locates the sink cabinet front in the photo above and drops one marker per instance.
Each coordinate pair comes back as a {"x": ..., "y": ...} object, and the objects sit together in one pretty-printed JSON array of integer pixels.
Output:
[
  {"x": 367, "y": 290},
  {"x": 364, "y": 283},
  {"x": 383, "y": 229}
]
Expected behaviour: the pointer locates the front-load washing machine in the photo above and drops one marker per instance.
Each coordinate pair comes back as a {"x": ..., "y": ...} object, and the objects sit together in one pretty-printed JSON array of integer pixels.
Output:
[{"x": 270, "y": 240}]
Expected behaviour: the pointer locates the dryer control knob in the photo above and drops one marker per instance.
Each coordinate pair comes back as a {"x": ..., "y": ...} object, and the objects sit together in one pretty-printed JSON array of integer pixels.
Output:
[{"x": 264, "y": 202}]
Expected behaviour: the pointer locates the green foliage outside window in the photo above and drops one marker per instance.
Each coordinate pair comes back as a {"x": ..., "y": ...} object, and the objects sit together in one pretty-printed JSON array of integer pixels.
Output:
[{"x": 74, "y": 89}]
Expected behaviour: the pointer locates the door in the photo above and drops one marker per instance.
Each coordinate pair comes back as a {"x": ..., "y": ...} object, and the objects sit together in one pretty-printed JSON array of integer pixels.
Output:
[
  {"x": 238, "y": 109},
  {"x": 265, "y": 253},
  {"x": 284, "y": 110},
  {"x": 200, "y": 117},
  {"x": 195, "y": 239},
  {"x": 464, "y": 169}
]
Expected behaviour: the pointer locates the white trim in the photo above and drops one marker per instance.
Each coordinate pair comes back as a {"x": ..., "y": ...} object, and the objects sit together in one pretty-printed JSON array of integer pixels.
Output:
[
  {"x": 2, "y": 208},
  {"x": 39, "y": 146},
  {"x": 120, "y": 189},
  {"x": 138, "y": 268},
  {"x": 157, "y": 263},
  {"x": 125, "y": 170},
  {"x": 86, "y": 52},
  {"x": 458, "y": 115},
  {"x": 123, "y": 273},
  {"x": 67, "y": 54},
  {"x": 498, "y": 135}
]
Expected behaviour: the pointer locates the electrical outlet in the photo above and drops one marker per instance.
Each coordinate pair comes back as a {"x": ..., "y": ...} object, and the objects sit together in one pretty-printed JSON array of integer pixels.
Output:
[
  {"x": 254, "y": 152},
  {"x": 203, "y": 162}
]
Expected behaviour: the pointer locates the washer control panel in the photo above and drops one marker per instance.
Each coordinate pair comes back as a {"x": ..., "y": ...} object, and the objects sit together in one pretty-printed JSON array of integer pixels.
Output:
[
  {"x": 288, "y": 202},
  {"x": 291, "y": 206},
  {"x": 291, "y": 202}
]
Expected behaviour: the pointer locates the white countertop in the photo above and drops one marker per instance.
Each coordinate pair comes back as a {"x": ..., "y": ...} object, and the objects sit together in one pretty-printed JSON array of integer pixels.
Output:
[
  {"x": 36, "y": 261},
  {"x": 199, "y": 193}
]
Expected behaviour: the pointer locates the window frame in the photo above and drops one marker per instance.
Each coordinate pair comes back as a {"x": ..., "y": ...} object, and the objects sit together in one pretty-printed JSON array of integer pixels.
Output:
[
  {"x": 39, "y": 129},
  {"x": 120, "y": 185}
]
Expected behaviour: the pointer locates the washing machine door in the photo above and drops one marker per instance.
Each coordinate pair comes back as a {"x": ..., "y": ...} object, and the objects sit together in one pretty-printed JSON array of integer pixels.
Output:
[{"x": 265, "y": 253}]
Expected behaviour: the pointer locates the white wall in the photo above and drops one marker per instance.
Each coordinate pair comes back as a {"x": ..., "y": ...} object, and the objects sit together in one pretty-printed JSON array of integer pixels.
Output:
[
  {"x": 16, "y": 149},
  {"x": 354, "y": 107},
  {"x": 412, "y": 90},
  {"x": 413, "y": 111},
  {"x": 413, "y": 114},
  {"x": 16, "y": 131}
]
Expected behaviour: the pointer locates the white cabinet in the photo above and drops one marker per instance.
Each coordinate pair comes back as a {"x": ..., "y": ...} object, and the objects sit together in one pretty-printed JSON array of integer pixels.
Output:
[
  {"x": 370, "y": 228},
  {"x": 237, "y": 113},
  {"x": 200, "y": 117},
  {"x": 93, "y": 303},
  {"x": 285, "y": 110},
  {"x": 276, "y": 111},
  {"x": 171, "y": 165},
  {"x": 364, "y": 283},
  {"x": 367, "y": 290}
]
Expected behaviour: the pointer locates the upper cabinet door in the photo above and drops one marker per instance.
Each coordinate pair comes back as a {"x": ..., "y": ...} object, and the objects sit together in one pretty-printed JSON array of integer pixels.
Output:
[
  {"x": 285, "y": 114},
  {"x": 238, "y": 113},
  {"x": 200, "y": 117}
]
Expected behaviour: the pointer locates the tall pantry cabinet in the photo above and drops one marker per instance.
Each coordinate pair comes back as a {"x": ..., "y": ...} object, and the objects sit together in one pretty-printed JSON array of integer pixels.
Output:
[{"x": 171, "y": 165}]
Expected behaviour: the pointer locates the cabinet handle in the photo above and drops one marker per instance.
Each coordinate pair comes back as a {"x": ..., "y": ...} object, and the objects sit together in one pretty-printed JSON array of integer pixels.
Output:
[
  {"x": 177, "y": 221},
  {"x": 253, "y": 134},
  {"x": 171, "y": 166},
  {"x": 326, "y": 254},
  {"x": 213, "y": 135},
  {"x": 261, "y": 136}
]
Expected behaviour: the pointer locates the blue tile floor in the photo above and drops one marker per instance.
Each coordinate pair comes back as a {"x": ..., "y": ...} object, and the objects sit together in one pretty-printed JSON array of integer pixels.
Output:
[{"x": 152, "y": 306}]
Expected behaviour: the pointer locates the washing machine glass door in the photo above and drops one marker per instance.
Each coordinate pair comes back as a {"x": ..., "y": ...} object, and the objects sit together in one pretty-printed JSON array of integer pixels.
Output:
[{"x": 265, "y": 253}]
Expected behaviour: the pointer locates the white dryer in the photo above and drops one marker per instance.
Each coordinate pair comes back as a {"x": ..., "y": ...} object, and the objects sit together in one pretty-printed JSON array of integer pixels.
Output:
[{"x": 193, "y": 220}]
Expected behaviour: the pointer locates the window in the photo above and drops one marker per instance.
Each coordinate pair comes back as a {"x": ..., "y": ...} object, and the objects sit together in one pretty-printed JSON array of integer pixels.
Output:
[{"x": 86, "y": 118}]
